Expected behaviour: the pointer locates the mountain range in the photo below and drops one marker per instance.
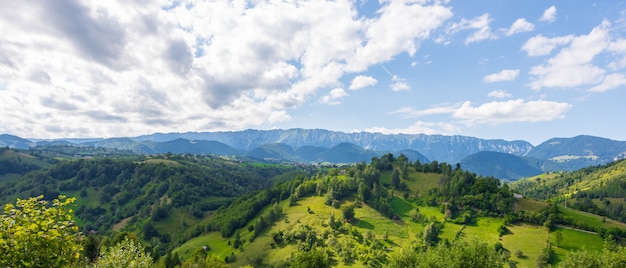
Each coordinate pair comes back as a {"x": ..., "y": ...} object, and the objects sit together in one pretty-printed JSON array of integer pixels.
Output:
[{"x": 504, "y": 159}]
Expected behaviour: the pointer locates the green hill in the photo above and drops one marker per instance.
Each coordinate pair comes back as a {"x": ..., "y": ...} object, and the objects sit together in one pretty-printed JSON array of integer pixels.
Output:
[
  {"x": 271, "y": 215},
  {"x": 14, "y": 163},
  {"x": 459, "y": 205},
  {"x": 600, "y": 189},
  {"x": 170, "y": 193}
]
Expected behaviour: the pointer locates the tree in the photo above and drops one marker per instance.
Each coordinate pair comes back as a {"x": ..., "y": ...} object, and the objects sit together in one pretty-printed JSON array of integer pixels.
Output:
[
  {"x": 347, "y": 211},
  {"x": 466, "y": 254},
  {"x": 315, "y": 258},
  {"x": 331, "y": 221},
  {"x": 558, "y": 238},
  {"x": 431, "y": 233},
  {"x": 615, "y": 257},
  {"x": 395, "y": 178},
  {"x": 36, "y": 233},
  {"x": 415, "y": 214},
  {"x": 124, "y": 254}
]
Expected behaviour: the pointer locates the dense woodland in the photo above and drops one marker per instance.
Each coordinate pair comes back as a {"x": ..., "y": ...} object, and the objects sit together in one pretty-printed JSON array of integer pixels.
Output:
[
  {"x": 159, "y": 203},
  {"x": 599, "y": 189}
]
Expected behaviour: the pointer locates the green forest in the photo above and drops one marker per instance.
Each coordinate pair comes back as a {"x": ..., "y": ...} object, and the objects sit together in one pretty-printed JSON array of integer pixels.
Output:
[{"x": 185, "y": 210}]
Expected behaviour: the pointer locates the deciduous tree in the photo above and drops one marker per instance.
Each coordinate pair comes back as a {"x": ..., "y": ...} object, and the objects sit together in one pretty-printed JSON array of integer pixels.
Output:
[{"x": 38, "y": 233}]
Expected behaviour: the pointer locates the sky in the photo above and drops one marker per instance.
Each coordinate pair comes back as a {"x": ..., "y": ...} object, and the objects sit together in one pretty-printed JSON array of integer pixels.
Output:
[{"x": 513, "y": 70}]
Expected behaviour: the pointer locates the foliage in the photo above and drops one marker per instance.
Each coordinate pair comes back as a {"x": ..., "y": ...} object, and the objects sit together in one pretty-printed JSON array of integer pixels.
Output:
[
  {"x": 462, "y": 189},
  {"x": 588, "y": 189},
  {"x": 13, "y": 161},
  {"x": 315, "y": 258},
  {"x": 38, "y": 233},
  {"x": 347, "y": 211},
  {"x": 200, "y": 259},
  {"x": 164, "y": 190},
  {"x": 466, "y": 254},
  {"x": 127, "y": 253},
  {"x": 606, "y": 258}
]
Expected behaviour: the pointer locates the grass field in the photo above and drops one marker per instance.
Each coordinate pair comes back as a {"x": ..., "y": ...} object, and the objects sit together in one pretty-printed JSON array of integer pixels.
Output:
[
  {"x": 219, "y": 246},
  {"x": 485, "y": 228},
  {"x": 573, "y": 240},
  {"x": 421, "y": 182},
  {"x": 529, "y": 239},
  {"x": 590, "y": 219}
]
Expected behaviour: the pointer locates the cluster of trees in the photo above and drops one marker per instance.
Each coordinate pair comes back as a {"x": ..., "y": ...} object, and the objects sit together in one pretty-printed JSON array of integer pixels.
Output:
[
  {"x": 465, "y": 254},
  {"x": 462, "y": 190}
]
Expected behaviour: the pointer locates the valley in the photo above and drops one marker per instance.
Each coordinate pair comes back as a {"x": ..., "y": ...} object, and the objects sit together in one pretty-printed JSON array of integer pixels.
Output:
[{"x": 186, "y": 209}]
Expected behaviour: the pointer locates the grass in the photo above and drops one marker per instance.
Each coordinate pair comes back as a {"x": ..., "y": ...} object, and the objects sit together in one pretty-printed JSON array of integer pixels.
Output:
[
  {"x": 422, "y": 182},
  {"x": 485, "y": 228},
  {"x": 529, "y": 239},
  {"x": 174, "y": 221},
  {"x": 219, "y": 246},
  {"x": 589, "y": 219},
  {"x": 573, "y": 240}
]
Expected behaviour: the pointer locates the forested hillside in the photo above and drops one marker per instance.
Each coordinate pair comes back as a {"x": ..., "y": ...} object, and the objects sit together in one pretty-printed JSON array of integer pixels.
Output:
[
  {"x": 600, "y": 189},
  {"x": 14, "y": 163},
  {"x": 201, "y": 211},
  {"x": 131, "y": 191}
]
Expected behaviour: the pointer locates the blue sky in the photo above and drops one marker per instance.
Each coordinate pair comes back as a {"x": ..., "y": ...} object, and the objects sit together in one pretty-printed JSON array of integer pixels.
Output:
[{"x": 511, "y": 70}]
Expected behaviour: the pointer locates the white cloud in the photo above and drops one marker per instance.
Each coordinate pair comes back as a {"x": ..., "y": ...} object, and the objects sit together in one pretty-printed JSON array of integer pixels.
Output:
[
  {"x": 400, "y": 27},
  {"x": 610, "y": 81},
  {"x": 361, "y": 81},
  {"x": 480, "y": 25},
  {"x": 411, "y": 112},
  {"x": 496, "y": 112},
  {"x": 127, "y": 68},
  {"x": 334, "y": 97},
  {"x": 504, "y": 75},
  {"x": 540, "y": 45},
  {"x": 510, "y": 111},
  {"x": 573, "y": 66},
  {"x": 618, "y": 47},
  {"x": 499, "y": 94},
  {"x": 520, "y": 26},
  {"x": 399, "y": 84},
  {"x": 419, "y": 127},
  {"x": 549, "y": 15}
]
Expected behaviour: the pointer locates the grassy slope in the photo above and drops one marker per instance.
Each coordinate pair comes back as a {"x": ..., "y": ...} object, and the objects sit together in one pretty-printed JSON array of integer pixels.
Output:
[
  {"x": 594, "y": 179},
  {"x": 591, "y": 219},
  {"x": 574, "y": 240},
  {"x": 529, "y": 239}
]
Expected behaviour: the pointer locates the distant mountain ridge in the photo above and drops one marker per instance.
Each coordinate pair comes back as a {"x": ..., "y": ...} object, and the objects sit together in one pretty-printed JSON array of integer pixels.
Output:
[
  {"x": 449, "y": 149},
  {"x": 320, "y": 145},
  {"x": 12, "y": 141},
  {"x": 593, "y": 149}
]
